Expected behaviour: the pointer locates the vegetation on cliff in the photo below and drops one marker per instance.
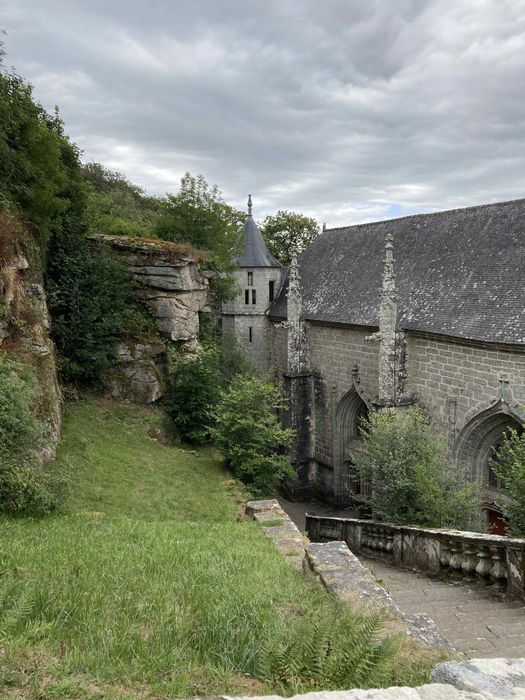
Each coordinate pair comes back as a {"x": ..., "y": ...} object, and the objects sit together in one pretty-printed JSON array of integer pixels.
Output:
[{"x": 26, "y": 487}]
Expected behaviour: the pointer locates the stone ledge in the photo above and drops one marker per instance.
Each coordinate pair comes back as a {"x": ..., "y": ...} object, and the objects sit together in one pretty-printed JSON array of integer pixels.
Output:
[
  {"x": 501, "y": 678},
  {"x": 341, "y": 573},
  {"x": 434, "y": 691},
  {"x": 281, "y": 530}
]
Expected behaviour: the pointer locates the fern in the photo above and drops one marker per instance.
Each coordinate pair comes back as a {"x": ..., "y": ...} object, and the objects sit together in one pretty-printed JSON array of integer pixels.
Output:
[
  {"x": 304, "y": 657},
  {"x": 17, "y": 606}
]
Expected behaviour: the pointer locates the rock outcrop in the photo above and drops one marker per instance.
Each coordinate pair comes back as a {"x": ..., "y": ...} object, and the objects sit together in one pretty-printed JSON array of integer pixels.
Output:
[
  {"x": 25, "y": 325},
  {"x": 170, "y": 280},
  {"x": 138, "y": 374}
]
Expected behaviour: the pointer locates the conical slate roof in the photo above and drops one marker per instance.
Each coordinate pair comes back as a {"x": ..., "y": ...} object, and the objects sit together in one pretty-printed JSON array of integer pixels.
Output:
[{"x": 255, "y": 253}]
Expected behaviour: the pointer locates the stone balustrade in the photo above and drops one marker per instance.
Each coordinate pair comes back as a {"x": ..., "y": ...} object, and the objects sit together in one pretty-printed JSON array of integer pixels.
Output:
[{"x": 490, "y": 560}]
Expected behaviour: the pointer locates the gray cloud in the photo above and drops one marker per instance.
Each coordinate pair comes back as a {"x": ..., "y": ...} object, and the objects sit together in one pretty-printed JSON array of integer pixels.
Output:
[{"x": 348, "y": 111}]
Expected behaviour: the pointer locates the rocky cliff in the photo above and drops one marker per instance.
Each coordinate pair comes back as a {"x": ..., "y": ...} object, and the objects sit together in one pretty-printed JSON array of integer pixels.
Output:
[
  {"x": 170, "y": 281},
  {"x": 25, "y": 322}
]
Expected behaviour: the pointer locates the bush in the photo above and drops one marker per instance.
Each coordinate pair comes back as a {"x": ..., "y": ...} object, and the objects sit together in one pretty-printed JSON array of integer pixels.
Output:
[
  {"x": 93, "y": 305},
  {"x": 25, "y": 486},
  {"x": 195, "y": 383},
  {"x": 193, "y": 391},
  {"x": 509, "y": 465},
  {"x": 409, "y": 481},
  {"x": 249, "y": 433}
]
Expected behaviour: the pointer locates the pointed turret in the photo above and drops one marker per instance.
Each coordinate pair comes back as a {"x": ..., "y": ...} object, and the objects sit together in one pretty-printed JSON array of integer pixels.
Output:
[
  {"x": 259, "y": 279},
  {"x": 255, "y": 252}
]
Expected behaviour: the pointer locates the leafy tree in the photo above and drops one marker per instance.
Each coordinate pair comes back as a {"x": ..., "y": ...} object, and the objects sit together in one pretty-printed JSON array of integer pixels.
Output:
[
  {"x": 92, "y": 303},
  {"x": 287, "y": 233},
  {"x": 199, "y": 215},
  {"x": 32, "y": 174},
  {"x": 115, "y": 205},
  {"x": 403, "y": 462},
  {"x": 249, "y": 433},
  {"x": 195, "y": 384},
  {"x": 193, "y": 391},
  {"x": 509, "y": 465}
]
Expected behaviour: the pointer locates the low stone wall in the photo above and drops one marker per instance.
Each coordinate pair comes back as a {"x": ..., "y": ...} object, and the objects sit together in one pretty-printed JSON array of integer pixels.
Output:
[
  {"x": 339, "y": 571},
  {"x": 479, "y": 679},
  {"x": 489, "y": 559},
  {"x": 342, "y": 574}
]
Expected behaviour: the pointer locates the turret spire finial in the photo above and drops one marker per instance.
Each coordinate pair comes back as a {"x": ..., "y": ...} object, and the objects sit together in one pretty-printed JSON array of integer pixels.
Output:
[{"x": 249, "y": 205}]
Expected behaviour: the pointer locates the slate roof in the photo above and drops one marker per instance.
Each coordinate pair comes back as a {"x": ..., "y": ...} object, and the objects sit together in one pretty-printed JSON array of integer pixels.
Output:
[
  {"x": 459, "y": 273},
  {"x": 256, "y": 253}
]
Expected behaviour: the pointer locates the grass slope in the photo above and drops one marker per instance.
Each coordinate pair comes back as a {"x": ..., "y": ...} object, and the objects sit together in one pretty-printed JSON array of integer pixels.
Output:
[
  {"x": 116, "y": 468},
  {"x": 149, "y": 588}
]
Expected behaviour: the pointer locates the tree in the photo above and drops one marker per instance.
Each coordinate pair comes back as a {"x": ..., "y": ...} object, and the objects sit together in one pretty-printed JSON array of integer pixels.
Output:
[
  {"x": 199, "y": 215},
  {"x": 32, "y": 174},
  {"x": 409, "y": 481},
  {"x": 287, "y": 233},
  {"x": 509, "y": 465},
  {"x": 249, "y": 433}
]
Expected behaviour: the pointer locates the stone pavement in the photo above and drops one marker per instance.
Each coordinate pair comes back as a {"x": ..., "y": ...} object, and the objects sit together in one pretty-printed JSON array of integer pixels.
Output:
[{"x": 477, "y": 621}]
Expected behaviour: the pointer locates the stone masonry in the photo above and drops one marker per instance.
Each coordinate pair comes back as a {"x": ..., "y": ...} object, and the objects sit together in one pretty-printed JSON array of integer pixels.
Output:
[{"x": 450, "y": 338}]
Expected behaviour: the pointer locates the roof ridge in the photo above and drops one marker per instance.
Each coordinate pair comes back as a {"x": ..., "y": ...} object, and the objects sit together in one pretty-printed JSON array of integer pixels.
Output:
[{"x": 430, "y": 213}]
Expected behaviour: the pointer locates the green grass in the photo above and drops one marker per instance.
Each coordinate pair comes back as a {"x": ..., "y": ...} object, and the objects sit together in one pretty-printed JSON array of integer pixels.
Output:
[
  {"x": 117, "y": 469},
  {"x": 148, "y": 587}
]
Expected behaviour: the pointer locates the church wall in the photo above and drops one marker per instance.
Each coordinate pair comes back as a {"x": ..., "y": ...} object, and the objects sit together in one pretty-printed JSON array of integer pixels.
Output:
[
  {"x": 333, "y": 352},
  {"x": 279, "y": 349},
  {"x": 258, "y": 350},
  {"x": 454, "y": 379}
]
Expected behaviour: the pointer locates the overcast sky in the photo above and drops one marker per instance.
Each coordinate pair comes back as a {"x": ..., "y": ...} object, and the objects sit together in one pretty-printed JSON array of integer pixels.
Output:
[{"x": 346, "y": 110}]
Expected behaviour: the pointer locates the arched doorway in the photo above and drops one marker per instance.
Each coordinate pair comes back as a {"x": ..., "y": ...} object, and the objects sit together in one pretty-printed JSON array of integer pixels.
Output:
[
  {"x": 475, "y": 448},
  {"x": 349, "y": 411}
]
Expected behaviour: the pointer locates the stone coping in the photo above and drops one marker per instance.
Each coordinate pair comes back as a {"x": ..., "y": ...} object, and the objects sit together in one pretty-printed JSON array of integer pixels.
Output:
[
  {"x": 492, "y": 560},
  {"x": 513, "y": 542},
  {"x": 341, "y": 573}
]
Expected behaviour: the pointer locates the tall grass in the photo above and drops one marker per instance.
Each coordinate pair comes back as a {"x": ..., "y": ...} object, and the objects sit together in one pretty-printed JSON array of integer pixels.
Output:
[{"x": 109, "y": 601}]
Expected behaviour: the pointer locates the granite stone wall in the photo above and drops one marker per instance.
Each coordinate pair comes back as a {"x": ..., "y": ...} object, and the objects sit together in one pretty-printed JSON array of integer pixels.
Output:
[
  {"x": 455, "y": 379},
  {"x": 473, "y": 391},
  {"x": 238, "y": 316}
]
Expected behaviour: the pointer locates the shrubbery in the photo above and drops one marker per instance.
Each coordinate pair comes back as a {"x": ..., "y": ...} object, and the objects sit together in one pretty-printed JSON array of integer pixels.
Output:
[
  {"x": 250, "y": 435},
  {"x": 93, "y": 305},
  {"x": 410, "y": 482},
  {"x": 25, "y": 486},
  {"x": 509, "y": 465},
  {"x": 194, "y": 387},
  {"x": 195, "y": 384}
]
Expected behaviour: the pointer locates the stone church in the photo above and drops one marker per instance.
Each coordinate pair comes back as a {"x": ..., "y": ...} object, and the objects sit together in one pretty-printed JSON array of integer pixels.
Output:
[{"x": 427, "y": 308}]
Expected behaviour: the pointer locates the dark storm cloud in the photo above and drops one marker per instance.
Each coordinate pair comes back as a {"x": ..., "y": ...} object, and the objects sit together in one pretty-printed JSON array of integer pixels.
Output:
[{"x": 345, "y": 110}]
